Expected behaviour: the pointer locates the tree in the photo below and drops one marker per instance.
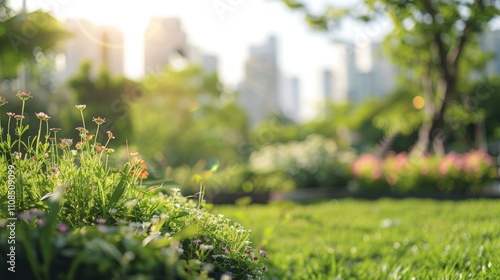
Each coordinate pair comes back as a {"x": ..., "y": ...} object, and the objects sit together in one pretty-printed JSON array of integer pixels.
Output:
[
  {"x": 431, "y": 39},
  {"x": 23, "y": 36},
  {"x": 182, "y": 119}
]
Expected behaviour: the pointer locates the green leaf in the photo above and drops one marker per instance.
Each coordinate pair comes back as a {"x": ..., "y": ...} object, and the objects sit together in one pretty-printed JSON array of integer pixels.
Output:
[
  {"x": 180, "y": 215},
  {"x": 118, "y": 192}
]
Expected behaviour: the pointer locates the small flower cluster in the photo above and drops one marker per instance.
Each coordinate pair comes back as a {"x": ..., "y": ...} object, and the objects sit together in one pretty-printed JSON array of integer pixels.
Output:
[
  {"x": 316, "y": 161},
  {"x": 37, "y": 217},
  {"x": 138, "y": 167}
]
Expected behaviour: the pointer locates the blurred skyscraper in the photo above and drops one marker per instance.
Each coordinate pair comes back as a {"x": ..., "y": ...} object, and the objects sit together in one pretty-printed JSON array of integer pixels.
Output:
[
  {"x": 209, "y": 63},
  {"x": 289, "y": 99},
  {"x": 491, "y": 43},
  {"x": 327, "y": 84},
  {"x": 370, "y": 74},
  {"x": 164, "y": 39},
  {"x": 101, "y": 45},
  {"x": 361, "y": 72},
  {"x": 259, "y": 89}
]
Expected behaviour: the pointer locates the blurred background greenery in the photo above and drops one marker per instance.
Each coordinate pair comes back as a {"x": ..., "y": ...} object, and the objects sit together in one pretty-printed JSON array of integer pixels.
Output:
[{"x": 185, "y": 121}]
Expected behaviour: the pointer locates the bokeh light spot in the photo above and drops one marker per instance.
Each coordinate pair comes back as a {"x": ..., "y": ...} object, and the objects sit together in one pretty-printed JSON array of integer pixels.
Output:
[{"x": 418, "y": 102}]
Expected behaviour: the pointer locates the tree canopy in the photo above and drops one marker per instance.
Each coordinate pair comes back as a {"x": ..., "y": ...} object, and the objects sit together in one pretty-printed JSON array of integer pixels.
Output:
[
  {"x": 435, "y": 42},
  {"x": 24, "y": 35},
  {"x": 184, "y": 118}
]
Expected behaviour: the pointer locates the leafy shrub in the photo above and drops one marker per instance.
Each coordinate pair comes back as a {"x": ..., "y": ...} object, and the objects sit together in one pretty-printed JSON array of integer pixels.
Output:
[
  {"x": 84, "y": 218},
  {"x": 238, "y": 178},
  {"x": 186, "y": 243},
  {"x": 314, "y": 162}
]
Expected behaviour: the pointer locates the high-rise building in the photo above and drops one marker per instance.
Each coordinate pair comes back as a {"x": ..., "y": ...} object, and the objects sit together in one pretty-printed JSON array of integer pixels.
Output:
[
  {"x": 101, "y": 45},
  {"x": 327, "y": 84},
  {"x": 209, "y": 63},
  {"x": 369, "y": 73},
  {"x": 289, "y": 101},
  {"x": 259, "y": 89},
  {"x": 164, "y": 38},
  {"x": 491, "y": 42}
]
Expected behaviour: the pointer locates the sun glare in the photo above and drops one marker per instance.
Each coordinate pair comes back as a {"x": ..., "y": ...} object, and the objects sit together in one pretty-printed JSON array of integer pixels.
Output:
[{"x": 129, "y": 19}]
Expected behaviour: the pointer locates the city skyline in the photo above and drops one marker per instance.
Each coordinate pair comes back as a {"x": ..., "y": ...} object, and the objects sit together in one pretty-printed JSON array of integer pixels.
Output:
[
  {"x": 301, "y": 52},
  {"x": 305, "y": 60}
]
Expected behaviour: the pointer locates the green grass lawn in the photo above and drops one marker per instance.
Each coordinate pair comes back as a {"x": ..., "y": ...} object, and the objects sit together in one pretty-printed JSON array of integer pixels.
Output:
[{"x": 382, "y": 239}]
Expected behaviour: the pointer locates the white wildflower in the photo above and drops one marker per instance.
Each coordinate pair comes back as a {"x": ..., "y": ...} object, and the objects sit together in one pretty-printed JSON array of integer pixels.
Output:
[
  {"x": 131, "y": 203},
  {"x": 206, "y": 247}
]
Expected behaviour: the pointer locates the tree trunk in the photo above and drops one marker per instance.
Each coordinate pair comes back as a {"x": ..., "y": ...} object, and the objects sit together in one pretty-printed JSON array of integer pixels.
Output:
[
  {"x": 479, "y": 138},
  {"x": 438, "y": 134},
  {"x": 424, "y": 133}
]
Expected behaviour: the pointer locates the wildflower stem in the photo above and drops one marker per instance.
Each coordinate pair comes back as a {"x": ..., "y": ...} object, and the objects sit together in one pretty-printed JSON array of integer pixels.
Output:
[
  {"x": 96, "y": 134},
  {"x": 106, "y": 166},
  {"x": 52, "y": 152},
  {"x": 47, "y": 133},
  {"x": 201, "y": 195},
  {"x": 55, "y": 146},
  {"x": 83, "y": 119},
  {"x": 1, "y": 128},
  {"x": 8, "y": 128},
  {"x": 38, "y": 137},
  {"x": 20, "y": 127}
]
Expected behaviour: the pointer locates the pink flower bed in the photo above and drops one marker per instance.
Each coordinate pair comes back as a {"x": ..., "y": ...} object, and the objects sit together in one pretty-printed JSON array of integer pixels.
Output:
[{"x": 452, "y": 173}]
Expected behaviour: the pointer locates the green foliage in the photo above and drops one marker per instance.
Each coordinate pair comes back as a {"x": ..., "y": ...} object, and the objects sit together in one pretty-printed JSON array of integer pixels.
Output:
[
  {"x": 184, "y": 118},
  {"x": 82, "y": 217},
  {"x": 396, "y": 105},
  {"x": 187, "y": 243},
  {"x": 484, "y": 96},
  {"x": 237, "y": 178},
  {"x": 349, "y": 125},
  {"x": 436, "y": 46},
  {"x": 382, "y": 239},
  {"x": 23, "y": 36},
  {"x": 314, "y": 162},
  {"x": 275, "y": 130},
  {"x": 107, "y": 97},
  {"x": 48, "y": 164}
]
